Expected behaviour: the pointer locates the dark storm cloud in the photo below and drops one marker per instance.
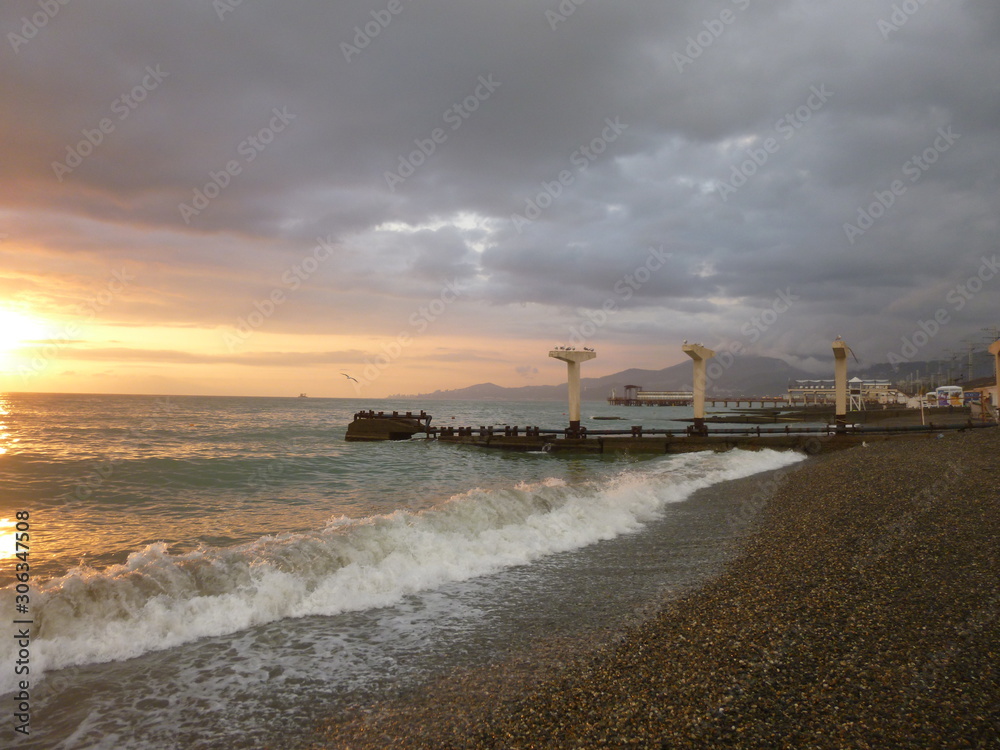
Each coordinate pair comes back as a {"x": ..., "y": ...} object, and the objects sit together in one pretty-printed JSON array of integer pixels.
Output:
[{"x": 534, "y": 151}]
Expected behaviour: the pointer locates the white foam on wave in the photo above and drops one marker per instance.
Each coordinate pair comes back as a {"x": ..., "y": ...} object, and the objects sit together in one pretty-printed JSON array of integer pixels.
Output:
[{"x": 156, "y": 600}]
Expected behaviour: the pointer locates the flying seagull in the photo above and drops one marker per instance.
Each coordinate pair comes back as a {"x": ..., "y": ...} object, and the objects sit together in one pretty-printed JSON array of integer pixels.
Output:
[{"x": 349, "y": 377}]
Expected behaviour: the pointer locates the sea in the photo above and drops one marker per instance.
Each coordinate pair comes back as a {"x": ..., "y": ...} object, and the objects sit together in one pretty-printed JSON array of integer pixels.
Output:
[{"x": 201, "y": 572}]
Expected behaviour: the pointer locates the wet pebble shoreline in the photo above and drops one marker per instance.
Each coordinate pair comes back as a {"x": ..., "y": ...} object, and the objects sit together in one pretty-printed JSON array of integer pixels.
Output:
[{"x": 864, "y": 612}]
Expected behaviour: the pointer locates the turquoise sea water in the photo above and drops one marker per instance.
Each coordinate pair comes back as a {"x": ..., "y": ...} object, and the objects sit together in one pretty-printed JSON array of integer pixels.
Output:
[{"x": 209, "y": 571}]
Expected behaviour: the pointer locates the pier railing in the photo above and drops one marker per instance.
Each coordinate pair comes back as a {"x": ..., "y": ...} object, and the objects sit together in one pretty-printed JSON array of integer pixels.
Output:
[
  {"x": 638, "y": 431},
  {"x": 738, "y": 401}
]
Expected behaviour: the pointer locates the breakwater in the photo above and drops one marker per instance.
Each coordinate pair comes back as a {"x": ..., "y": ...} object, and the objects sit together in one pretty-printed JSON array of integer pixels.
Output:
[{"x": 378, "y": 426}]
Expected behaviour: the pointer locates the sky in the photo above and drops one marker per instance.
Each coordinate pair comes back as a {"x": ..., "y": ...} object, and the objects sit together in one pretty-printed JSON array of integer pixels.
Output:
[{"x": 254, "y": 198}]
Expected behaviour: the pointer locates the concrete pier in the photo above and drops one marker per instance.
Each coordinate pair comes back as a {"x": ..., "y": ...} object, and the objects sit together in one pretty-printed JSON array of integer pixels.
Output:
[
  {"x": 573, "y": 358},
  {"x": 371, "y": 426}
]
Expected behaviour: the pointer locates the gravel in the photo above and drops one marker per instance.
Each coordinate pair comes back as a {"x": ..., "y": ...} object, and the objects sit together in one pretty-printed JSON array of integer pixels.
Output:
[{"x": 863, "y": 612}]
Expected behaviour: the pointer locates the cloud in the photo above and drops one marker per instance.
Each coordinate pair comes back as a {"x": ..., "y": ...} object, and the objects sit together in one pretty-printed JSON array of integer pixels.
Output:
[
  {"x": 261, "y": 359},
  {"x": 610, "y": 131}
]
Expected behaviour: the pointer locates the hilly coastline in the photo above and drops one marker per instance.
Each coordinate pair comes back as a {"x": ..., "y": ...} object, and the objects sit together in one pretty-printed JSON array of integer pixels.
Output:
[{"x": 746, "y": 376}]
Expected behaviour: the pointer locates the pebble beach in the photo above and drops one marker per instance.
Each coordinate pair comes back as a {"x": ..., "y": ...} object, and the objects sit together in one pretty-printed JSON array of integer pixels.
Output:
[{"x": 861, "y": 611}]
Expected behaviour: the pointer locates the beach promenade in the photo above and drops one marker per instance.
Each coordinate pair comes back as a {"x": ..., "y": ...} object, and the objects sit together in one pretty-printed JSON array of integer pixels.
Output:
[{"x": 862, "y": 611}]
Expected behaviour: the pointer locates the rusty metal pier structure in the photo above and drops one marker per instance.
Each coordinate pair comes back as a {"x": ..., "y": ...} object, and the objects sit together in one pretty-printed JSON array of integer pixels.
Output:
[{"x": 379, "y": 426}]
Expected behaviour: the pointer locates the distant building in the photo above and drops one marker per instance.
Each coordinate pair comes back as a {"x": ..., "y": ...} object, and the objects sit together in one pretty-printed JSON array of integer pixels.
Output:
[
  {"x": 668, "y": 397},
  {"x": 635, "y": 396},
  {"x": 806, "y": 392}
]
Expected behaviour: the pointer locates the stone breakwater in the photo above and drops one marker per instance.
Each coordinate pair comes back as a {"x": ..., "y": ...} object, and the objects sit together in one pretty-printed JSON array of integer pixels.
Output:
[{"x": 863, "y": 612}]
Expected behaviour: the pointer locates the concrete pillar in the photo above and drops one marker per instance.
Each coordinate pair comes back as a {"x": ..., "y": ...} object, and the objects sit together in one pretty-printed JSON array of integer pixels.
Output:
[
  {"x": 840, "y": 382},
  {"x": 573, "y": 358},
  {"x": 700, "y": 355},
  {"x": 995, "y": 351}
]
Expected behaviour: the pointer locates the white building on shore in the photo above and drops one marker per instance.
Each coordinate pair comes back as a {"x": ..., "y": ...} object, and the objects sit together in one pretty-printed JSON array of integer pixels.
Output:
[{"x": 806, "y": 392}]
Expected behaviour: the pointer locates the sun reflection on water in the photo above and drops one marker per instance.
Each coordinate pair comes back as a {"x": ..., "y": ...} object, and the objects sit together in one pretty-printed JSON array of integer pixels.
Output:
[
  {"x": 7, "y": 540},
  {"x": 5, "y": 437}
]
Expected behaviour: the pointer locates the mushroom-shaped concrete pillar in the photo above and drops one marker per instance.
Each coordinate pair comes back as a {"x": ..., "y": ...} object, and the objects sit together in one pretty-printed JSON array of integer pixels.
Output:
[
  {"x": 573, "y": 358},
  {"x": 700, "y": 355},
  {"x": 840, "y": 382}
]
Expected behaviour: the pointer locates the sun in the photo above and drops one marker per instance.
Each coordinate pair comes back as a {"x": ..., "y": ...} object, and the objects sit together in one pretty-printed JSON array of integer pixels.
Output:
[{"x": 18, "y": 330}]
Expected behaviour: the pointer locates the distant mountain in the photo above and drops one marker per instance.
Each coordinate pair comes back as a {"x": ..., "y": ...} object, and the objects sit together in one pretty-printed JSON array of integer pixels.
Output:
[
  {"x": 491, "y": 392},
  {"x": 728, "y": 376},
  {"x": 745, "y": 376}
]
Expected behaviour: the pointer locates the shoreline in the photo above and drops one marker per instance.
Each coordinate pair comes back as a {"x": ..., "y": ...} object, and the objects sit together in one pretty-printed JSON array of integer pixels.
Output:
[
  {"x": 862, "y": 611},
  {"x": 672, "y": 557}
]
